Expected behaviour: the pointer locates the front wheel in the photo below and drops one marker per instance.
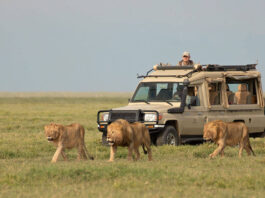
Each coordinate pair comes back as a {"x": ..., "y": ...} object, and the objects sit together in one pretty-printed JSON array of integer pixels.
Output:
[{"x": 168, "y": 136}]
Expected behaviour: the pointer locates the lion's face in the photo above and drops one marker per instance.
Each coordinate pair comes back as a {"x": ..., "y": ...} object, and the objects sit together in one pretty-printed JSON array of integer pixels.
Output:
[
  {"x": 209, "y": 132},
  {"x": 114, "y": 133},
  {"x": 52, "y": 132}
]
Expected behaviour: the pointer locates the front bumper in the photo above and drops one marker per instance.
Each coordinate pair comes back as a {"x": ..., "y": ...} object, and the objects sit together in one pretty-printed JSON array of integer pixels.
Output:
[
  {"x": 131, "y": 116},
  {"x": 153, "y": 128}
]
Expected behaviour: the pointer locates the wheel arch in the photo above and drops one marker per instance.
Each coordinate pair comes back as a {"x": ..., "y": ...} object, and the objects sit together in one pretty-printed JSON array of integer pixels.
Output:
[{"x": 173, "y": 123}]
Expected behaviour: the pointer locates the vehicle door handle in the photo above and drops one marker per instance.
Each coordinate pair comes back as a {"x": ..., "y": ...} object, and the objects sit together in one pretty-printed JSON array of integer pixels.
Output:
[{"x": 199, "y": 113}]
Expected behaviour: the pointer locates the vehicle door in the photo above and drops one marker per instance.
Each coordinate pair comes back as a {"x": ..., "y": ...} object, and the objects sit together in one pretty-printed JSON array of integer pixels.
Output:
[{"x": 194, "y": 114}]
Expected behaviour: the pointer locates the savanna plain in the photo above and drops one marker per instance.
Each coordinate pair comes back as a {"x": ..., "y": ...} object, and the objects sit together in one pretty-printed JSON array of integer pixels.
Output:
[{"x": 183, "y": 171}]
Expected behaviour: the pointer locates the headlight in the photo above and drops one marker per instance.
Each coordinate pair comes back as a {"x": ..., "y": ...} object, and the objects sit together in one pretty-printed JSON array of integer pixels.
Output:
[
  {"x": 150, "y": 117},
  {"x": 104, "y": 117}
]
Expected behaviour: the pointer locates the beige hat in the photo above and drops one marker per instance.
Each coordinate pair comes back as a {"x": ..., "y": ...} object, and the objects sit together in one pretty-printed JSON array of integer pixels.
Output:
[{"x": 186, "y": 54}]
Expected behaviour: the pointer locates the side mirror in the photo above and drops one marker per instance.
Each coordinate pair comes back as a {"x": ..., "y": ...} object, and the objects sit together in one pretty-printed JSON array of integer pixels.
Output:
[
  {"x": 186, "y": 82},
  {"x": 129, "y": 99}
]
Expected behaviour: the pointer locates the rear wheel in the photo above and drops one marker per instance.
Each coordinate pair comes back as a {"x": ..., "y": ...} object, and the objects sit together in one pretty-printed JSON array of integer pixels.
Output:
[{"x": 168, "y": 136}]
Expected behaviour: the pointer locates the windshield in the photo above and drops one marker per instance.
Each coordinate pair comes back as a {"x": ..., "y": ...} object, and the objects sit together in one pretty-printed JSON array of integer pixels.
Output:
[{"x": 158, "y": 91}]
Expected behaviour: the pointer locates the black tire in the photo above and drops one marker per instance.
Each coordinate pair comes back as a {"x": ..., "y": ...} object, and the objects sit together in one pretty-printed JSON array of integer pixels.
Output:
[
  {"x": 104, "y": 140},
  {"x": 168, "y": 136}
]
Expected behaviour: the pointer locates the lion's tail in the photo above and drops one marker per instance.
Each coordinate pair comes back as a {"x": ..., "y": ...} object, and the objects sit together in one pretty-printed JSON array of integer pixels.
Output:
[
  {"x": 248, "y": 142},
  {"x": 145, "y": 151},
  {"x": 145, "y": 130},
  {"x": 252, "y": 150},
  {"x": 87, "y": 153},
  {"x": 85, "y": 150},
  {"x": 147, "y": 143},
  {"x": 249, "y": 146}
]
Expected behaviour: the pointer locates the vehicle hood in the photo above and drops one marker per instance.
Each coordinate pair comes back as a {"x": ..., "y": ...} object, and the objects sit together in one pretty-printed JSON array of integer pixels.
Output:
[{"x": 161, "y": 107}]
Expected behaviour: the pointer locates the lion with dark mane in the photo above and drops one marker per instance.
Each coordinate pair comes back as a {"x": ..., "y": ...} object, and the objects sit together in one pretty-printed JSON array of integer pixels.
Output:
[
  {"x": 122, "y": 133},
  {"x": 67, "y": 137},
  {"x": 227, "y": 133}
]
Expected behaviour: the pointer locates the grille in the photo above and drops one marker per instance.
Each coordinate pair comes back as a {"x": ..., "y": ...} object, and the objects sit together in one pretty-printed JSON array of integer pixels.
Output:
[{"x": 130, "y": 116}]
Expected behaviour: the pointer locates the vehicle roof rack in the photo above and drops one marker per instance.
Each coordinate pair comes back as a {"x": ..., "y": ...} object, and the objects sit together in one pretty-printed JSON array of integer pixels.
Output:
[
  {"x": 209, "y": 67},
  {"x": 174, "y": 67},
  {"x": 229, "y": 67}
]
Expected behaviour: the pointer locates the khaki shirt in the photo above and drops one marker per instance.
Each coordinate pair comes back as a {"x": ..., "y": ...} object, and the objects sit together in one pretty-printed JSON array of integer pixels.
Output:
[{"x": 185, "y": 63}]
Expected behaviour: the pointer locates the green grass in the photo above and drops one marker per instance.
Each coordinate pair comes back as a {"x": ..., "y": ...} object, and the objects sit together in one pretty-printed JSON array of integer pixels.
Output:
[{"x": 184, "y": 171}]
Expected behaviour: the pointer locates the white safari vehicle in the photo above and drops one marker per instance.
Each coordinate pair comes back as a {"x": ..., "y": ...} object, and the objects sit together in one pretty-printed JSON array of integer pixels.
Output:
[{"x": 175, "y": 102}]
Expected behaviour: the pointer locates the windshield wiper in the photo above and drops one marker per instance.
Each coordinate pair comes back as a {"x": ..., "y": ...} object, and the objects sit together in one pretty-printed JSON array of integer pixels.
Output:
[
  {"x": 141, "y": 101},
  {"x": 169, "y": 102}
]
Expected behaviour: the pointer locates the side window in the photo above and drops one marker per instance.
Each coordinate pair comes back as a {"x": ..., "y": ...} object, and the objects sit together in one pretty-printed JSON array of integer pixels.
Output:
[
  {"x": 193, "y": 96},
  {"x": 215, "y": 93},
  {"x": 230, "y": 92},
  {"x": 241, "y": 92}
]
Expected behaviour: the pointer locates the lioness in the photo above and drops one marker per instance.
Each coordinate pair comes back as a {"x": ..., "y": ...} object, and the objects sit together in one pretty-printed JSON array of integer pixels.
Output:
[
  {"x": 122, "y": 133},
  {"x": 227, "y": 133},
  {"x": 67, "y": 137}
]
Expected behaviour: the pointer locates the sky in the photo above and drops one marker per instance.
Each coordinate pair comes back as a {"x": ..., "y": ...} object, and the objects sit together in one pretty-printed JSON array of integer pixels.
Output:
[{"x": 101, "y": 45}]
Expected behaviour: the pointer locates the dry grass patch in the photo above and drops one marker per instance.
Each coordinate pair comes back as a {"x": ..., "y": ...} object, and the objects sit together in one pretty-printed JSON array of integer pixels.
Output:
[{"x": 184, "y": 171}]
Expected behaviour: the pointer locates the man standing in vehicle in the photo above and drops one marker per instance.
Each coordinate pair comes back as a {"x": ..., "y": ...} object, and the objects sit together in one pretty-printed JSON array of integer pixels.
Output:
[{"x": 185, "y": 59}]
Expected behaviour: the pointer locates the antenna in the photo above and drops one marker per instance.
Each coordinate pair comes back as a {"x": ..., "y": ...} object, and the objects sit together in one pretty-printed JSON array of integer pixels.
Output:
[{"x": 257, "y": 61}]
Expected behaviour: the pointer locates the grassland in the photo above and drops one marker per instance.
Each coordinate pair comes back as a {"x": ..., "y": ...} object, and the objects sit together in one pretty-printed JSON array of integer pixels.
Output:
[{"x": 184, "y": 171}]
